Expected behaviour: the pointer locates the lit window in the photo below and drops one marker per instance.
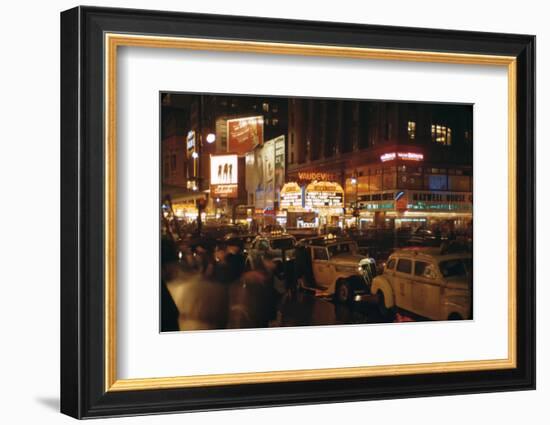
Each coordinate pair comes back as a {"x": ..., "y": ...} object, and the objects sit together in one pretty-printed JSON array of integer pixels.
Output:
[
  {"x": 265, "y": 107},
  {"x": 441, "y": 134},
  {"x": 275, "y": 121},
  {"x": 411, "y": 130}
]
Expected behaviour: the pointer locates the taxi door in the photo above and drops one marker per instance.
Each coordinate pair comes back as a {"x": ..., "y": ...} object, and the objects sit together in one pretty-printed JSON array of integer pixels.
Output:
[
  {"x": 427, "y": 291},
  {"x": 323, "y": 270},
  {"x": 403, "y": 283}
]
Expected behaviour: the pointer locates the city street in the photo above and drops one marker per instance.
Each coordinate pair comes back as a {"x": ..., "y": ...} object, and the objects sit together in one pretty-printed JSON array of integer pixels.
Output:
[
  {"x": 292, "y": 308},
  {"x": 301, "y": 211}
]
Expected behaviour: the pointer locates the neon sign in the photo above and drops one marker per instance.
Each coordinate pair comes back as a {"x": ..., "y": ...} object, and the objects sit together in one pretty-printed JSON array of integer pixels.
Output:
[
  {"x": 406, "y": 156},
  {"x": 316, "y": 175}
]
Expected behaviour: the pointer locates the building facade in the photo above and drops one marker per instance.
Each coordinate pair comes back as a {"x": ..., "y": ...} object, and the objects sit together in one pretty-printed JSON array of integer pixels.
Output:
[
  {"x": 397, "y": 162},
  {"x": 194, "y": 127}
]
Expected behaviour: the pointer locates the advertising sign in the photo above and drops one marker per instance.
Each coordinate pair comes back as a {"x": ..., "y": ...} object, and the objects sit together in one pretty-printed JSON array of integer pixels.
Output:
[
  {"x": 251, "y": 177},
  {"x": 405, "y": 156},
  {"x": 265, "y": 172},
  {"x": 191, "y": 141},
  {"x": 305, "y": 176},
  {"x": 401, "y": 201},
  {"x": 224, "y": 176},
  {"x": 244, "y": 134},
  {"x": 279, "y": 164},
  {"x": 268, "y": 157},
  {"x": 324, "y": 194}
]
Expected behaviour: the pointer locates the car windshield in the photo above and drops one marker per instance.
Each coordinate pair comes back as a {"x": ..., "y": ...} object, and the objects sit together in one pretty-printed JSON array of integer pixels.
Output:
[
  {"x": 342, "y": 248},
  {"x": 283, "y": 243},
  {"x": 455, "y": 268}
]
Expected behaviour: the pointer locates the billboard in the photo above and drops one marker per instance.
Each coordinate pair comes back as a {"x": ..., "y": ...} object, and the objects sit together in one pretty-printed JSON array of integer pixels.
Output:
[
  {"x": 224, "y": 176},
  {"x": 268, "y": 161},
  {"x": 279, "y": 165},
  {"x": 265, "y": 172},
  {"x": 244, "y": 134}
]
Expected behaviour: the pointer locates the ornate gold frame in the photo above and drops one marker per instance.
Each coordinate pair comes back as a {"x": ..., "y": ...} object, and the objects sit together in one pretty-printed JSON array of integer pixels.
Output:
[{"x": 113, "y": 41}]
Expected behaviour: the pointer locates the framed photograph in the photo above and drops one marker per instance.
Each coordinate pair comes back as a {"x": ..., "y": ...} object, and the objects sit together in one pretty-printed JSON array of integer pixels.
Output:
[{"x": 261, "y": 212}]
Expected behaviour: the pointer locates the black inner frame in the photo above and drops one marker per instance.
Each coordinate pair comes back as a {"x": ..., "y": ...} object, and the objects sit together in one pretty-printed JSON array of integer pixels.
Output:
[{"x": 82, "y": 209}]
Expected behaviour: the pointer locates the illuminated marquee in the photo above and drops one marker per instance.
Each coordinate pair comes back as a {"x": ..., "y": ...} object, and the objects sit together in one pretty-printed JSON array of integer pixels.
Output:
[
  {"x": 291, "y": 196},
  {"x": 406, "y": 156},
  {"x": 324, "y": 194}
]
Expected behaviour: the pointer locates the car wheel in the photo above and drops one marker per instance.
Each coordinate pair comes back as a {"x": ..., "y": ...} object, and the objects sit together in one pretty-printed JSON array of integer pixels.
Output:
[
  {"x": 344, "y": 292},
  {"x": 385, "y": 312},
  {"x": 454, "y": 316}
]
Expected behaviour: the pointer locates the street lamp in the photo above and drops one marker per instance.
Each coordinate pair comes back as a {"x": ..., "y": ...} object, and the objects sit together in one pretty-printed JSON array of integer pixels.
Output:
[{"x": 210, "y": 138}]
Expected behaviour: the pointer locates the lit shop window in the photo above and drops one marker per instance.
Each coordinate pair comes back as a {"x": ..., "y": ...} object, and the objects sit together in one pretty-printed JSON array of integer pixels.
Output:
[
  {"x": 441, "y": 134},
  {"x": 411, "y": 130}
]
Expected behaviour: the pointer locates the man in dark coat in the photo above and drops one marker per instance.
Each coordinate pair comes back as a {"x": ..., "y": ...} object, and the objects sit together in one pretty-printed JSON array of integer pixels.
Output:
[{"x": 169, "y": 267}]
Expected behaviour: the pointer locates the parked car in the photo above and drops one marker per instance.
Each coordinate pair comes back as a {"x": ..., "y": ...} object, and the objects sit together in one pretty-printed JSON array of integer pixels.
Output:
[
  {"x": 279, "y": 245},
  {"x": 424, "y": 237},
  {"x": 429, "y": 282},
  {"x": 242, "y": 240},
  {"x": 334, "y": 267}
]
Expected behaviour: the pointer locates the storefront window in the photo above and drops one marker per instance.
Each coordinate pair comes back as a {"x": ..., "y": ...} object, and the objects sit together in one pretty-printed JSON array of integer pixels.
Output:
[
  {"x": 409, "y": 177},
  {"x": 459, "y": 183},
  {"x": 375, "y": 182},
  {"x": 389, "y": 179},
  {"x": 435, "y": 181}
]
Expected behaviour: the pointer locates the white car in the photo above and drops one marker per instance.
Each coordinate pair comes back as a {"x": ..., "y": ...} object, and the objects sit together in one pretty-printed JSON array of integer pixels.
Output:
[
  {"x": 334, "y": 267},
  {"x": 426, "y": 282}
]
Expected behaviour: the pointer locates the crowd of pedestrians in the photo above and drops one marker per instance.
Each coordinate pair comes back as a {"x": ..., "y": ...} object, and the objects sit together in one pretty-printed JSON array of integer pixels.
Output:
[{"x": 211, "y": 288}]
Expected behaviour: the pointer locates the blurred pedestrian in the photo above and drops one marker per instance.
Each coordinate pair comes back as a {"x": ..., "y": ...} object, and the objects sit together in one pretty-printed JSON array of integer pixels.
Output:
[
  {"x": 253, "y": 299},
  {"x": 169, "y": 270},
  {"x": 203, "y": 296}
]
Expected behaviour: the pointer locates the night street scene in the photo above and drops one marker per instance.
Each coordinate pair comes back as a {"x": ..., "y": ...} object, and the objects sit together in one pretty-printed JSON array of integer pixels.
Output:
[{"x": 292, "y": 211}]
